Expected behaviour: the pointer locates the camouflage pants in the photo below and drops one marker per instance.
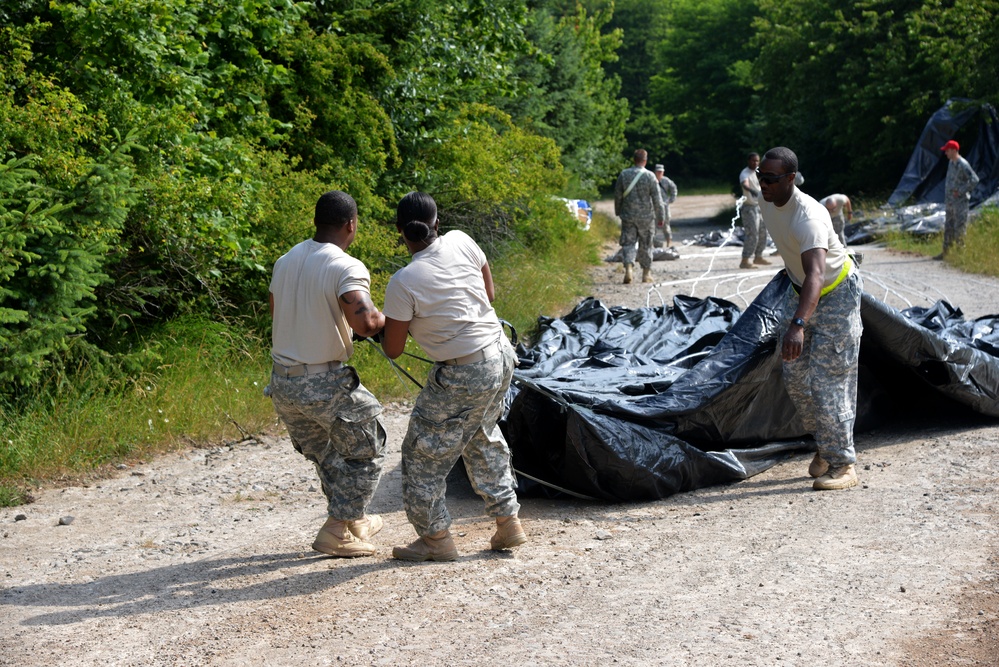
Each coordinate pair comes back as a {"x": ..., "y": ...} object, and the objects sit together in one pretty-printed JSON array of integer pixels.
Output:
[
  {"x": 455, "y": 416},
  {"x": 335, "y": 422},
  {"x": 956, "y": 222},
  {"x": 755, "y": 240},
  {"x": 839, "y": 224},
  {"x": 822, "y": 382},
  {"x": 641, "y": 232},
  {"x": 664, "y": 234}
]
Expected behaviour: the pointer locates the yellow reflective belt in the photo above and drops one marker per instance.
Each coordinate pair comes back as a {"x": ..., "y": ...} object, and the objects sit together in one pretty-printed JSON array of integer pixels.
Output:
[{"x": 844, "y": 272}]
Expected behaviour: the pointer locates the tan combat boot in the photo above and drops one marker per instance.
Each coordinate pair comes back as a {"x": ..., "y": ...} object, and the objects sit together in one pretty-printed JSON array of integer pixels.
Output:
[
  {"x": 836, "y": 478},
  {"x": 646, "y": 275},
  {"x": 365, "y": 527},
  {"x": 818, "y": 466},
  {"x": 746, "y": 263},
  {"x": 628, "y": 276},
  {"x": 762, "y": 262},
  {"x": 439, "y": 547},
  {"x": 509, "y": 533},
  {"x": 335, "y": 539}
]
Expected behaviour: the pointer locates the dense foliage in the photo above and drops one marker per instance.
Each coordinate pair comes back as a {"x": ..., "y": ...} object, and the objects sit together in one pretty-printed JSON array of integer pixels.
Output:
[
  {"x": 849, "y": 86},
  {"x": 156, "y": 156}
]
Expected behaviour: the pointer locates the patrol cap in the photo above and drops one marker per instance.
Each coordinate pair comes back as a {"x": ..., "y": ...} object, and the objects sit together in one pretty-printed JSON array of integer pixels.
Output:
[{"x": 659, "y": 167}]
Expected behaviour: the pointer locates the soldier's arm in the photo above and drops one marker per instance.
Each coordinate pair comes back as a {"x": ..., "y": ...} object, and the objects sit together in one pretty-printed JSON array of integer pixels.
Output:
[
  {"x": 394, "y": 338},
  {"x": 362, "y": 315}
]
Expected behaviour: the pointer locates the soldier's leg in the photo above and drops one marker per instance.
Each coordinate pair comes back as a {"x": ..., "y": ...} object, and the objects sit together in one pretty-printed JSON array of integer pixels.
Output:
[
  {"x": 646, "y": 230},
  {"x": 351, "y": 450},
  {"x": 629, "y": 237},
  {"x": 761, "y": 234},
  {"x": 950, "y": 225},
  {"x": 839, "y": 223},
  {"x": 750, "y": 227},
  {"x": 835, "y": 349},
  {"x": 960, "y": 221},
  {"x": 487, "y": 455},
  {"x": 796, "y": 373}
]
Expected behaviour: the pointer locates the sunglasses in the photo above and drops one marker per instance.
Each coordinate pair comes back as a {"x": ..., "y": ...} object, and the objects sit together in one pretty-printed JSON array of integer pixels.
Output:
[{"x": 770, "y": 179}]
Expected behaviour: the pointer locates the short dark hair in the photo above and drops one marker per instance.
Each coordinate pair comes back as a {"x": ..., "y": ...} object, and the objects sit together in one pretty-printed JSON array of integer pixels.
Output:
[
  {"x": 641, "y": 155},
  {"x": 415, "y": 216},
  {"x": 788, "y": 160},
  {"x": 752, "y": 155},
  {"x": 335, "y": 209}
]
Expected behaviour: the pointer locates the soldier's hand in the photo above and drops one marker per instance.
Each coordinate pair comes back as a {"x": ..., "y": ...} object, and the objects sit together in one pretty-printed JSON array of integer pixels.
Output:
[{"x": 792, "y": 344}]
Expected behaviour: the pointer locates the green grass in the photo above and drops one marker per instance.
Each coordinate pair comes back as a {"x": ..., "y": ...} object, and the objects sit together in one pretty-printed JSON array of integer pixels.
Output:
[
  {"x": 207, "y": 388},
  {"x": 207, "y": 385},
  {"x": 979, "y": 253}
]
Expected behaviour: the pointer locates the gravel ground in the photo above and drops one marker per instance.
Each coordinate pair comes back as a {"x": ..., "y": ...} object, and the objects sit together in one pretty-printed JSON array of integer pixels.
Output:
[{"x": 202, "y": 557}]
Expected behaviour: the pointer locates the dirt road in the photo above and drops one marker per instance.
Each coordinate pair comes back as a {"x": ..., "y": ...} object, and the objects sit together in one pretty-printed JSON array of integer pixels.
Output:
[{"x": 202, "y": 557}]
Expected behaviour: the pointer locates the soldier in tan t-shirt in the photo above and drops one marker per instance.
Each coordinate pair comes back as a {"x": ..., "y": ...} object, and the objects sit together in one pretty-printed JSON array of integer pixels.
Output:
[
  {"x": 319, "y": 296},
  {"x": 820, "y": 346}
]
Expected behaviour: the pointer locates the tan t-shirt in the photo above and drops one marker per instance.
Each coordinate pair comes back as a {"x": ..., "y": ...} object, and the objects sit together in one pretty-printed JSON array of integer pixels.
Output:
[
  {"x": 309, "y": 327},
  {"x": 442, "y": 295},
  {"x": 799, "y": 225}
]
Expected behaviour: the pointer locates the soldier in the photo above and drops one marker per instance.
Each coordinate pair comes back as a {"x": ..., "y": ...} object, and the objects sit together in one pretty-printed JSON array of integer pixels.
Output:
[
  {"x": 754, "y": 242},
  {"x": 638, "y": 202},
  {"x": 318, "y": 295},
  {"x": 841, "y": 211},
  {"x": 668, "y": 192},
  {"x": 443, "y": 298},
  {"x": 961, "y": 180},
  {"x": 821, "y": 319}
]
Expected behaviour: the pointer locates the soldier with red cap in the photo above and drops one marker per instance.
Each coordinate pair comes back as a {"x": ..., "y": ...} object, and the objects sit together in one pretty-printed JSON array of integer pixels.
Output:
[{"x": 961, "y": 180}]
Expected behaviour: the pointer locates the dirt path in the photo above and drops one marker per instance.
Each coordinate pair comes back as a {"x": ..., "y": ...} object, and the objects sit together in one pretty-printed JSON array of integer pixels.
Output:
[{"x": 202, "y": 557}]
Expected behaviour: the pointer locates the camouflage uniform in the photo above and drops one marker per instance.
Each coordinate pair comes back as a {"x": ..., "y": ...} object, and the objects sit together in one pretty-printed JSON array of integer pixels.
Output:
[
  {"x": 754, "y": 241},
  {"x": 455, "y": 416},
  {"x": 668, "y": 192},
  {"x": 335, "y": 422},
  {"x": 640, "y": 212},
  {"x": 961, "y": 180},
  {"x": 822, "y": 382}
]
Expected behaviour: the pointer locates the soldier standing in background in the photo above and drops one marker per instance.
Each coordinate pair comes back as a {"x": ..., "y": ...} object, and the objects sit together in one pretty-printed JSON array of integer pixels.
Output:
[
  {"x": 961, "y": 180},
  {"x": 841, "y": 211},
  {"x": 754, "y": 242},
  {"x": 664, "y": 233},
  {"x": 638, "y": 202}
]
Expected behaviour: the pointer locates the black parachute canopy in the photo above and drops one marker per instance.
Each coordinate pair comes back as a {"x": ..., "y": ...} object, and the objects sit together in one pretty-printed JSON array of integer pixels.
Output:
[
  {"x": 926, "y": 171},
  {"x": 638, "y": 404}
]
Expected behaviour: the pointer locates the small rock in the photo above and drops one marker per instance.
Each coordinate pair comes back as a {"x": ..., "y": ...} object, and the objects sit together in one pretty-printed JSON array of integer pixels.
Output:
[
  {"x": 603, "y": 535},
  {"x": 901, "y": 589},
  {"x": 66, "y": 520},
  {"x": 21, "y": 517}
]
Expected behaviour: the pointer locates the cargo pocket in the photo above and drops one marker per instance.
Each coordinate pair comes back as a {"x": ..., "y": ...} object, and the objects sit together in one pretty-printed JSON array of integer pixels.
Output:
[
  {"x": 359, "y": 435},
  {"x": 437, "y": 439}
]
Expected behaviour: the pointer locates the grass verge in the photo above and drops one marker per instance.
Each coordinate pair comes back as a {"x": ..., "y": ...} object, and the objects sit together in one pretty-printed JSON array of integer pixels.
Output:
[{"x": 978, "y": 254}]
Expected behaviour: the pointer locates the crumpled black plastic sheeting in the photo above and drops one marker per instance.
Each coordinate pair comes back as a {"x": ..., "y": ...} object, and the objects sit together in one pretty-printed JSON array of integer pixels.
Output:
[{"x": 626, "y": 405}]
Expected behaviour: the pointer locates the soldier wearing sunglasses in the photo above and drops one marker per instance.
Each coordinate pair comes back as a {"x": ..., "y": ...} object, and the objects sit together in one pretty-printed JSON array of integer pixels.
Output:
[{"x": 820, "y": 324}]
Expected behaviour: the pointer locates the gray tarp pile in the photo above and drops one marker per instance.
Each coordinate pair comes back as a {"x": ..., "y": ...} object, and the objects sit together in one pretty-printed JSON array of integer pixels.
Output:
[{"x": 623, "y": 404}]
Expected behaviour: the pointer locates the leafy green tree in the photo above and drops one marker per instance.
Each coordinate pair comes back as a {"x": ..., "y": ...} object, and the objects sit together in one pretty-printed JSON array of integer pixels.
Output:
[
  {"x": 642, "y": 27},
  {"x": 580, "y": 108},
  {"x": 701, "y": 80},
  {"x": 849, "y": 85}
]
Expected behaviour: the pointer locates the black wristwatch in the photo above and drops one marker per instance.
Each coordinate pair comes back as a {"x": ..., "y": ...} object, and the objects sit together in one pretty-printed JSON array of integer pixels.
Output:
[{"x": 800, "y": 322}]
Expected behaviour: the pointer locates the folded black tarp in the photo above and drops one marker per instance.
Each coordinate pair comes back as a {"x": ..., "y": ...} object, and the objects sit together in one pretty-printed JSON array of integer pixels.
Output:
[{"x": 639, "y": 404}]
